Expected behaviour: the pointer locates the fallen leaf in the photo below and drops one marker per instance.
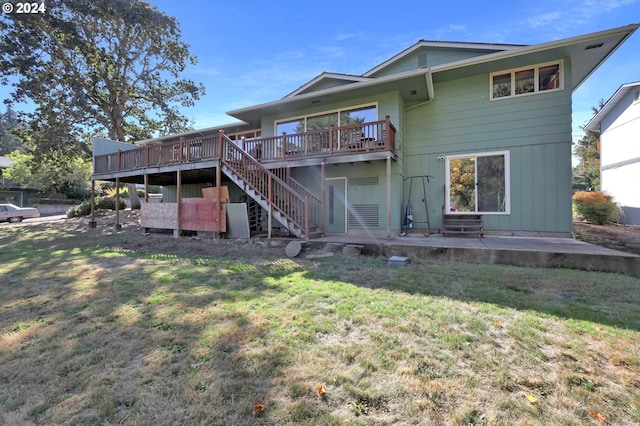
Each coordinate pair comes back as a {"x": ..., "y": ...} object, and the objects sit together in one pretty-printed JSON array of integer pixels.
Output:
[
  {"x": 257, "y": 409},
  {"x": 321, "y": 390},
  {"x": 532, "y": 399},
  {"x": 597, "y": 416},
  {"x": 497, "y": 323}
]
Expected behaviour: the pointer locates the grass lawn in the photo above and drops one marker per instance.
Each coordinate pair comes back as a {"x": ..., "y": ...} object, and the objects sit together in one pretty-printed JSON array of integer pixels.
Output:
[{"x": 104, "y": 328}]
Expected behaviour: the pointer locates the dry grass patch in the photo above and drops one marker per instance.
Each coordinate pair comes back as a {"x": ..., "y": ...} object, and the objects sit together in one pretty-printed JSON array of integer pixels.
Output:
[{"x": 99, "y": 327}]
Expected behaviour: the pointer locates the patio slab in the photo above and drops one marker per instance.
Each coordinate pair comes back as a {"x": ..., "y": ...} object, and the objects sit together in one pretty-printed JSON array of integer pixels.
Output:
[{"x": 537, "y": 252}]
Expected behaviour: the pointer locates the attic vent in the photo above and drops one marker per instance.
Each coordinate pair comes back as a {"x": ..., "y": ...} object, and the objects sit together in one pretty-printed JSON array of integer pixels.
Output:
[
  {"x": 362, "y": 181},
  {"x": 422, "y": 60},
  {"x": 363, "y": 216},
  {"x": 594, "y": 46}
]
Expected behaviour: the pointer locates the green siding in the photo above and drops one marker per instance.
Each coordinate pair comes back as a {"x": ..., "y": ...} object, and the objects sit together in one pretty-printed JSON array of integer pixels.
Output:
[
  {"x": 535, "y": 129},
  {"x": 357, "y": 193},
  {"x": 435, "y": 56}
]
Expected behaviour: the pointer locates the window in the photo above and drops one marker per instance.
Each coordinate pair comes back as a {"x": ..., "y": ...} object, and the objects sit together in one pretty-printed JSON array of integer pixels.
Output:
[
  {"x": 338, "y": 118},
  {"x": 478, "y": 183},
  {"x": 523, "y": 81}
]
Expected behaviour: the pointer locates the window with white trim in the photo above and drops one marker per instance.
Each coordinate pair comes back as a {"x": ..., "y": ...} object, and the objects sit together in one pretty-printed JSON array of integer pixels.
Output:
[
  {"x": 526, "y": 80},
  {"x": 345, "y": 117},
  {"x": 478, "y": 183}
]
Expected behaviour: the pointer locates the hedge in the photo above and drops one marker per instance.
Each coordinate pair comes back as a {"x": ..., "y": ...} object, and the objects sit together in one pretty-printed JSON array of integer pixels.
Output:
[
  {"x": 596, "y": 207},
  {"x": 101, "y": 203}
]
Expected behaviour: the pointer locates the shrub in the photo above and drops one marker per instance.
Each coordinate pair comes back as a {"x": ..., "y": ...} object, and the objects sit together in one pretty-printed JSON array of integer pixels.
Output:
[
  {"x": 596, "y": 207},
  {"x": 102, "y": 203}
]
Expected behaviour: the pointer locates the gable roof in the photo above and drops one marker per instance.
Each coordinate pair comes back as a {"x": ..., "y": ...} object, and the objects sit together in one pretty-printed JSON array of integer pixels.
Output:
[
  {"x": 622, "y": 91},
  {"x": 440, "y": 44},
  {"x": 327, "y": 78},
  {"x": 587, "y": 53}
]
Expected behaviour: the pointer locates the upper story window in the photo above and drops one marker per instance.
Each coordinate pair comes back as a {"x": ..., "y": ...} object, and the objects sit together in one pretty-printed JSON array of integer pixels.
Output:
[
  {"x": 526, "y": 80},
  {"x": 340, "y": 118}
]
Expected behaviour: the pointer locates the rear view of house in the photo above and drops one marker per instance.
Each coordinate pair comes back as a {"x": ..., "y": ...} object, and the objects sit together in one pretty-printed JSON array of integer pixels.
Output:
[
  {"x": 463, "y": 130},
  {"x": 619, "y": 125}
]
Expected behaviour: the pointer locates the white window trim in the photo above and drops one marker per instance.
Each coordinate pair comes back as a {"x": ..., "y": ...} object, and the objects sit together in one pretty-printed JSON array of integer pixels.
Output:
[
  {"x": 338, "y": 111},
  {"x": 536, "y": 79},
  {"x": 507, "y": 184}
]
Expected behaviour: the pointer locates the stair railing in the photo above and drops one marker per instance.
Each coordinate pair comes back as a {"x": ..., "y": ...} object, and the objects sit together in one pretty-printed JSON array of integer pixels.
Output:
[{"x": 277, "y": 193}]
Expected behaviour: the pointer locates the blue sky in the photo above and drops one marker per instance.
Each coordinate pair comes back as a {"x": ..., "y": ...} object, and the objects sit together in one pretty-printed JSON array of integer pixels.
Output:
[{"x": 251, "y": 52}]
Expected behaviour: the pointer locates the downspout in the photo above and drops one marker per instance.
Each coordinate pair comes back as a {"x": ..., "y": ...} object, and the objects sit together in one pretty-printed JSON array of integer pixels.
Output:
[{"x": 431, "y": 94}]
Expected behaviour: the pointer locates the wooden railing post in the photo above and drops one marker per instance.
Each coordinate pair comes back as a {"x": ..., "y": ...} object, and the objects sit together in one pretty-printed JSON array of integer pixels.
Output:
[
  {"x": 119, "y": 159},
  {"x": 220, "y": 142},
  {"x": 330, "y": 140},
  {"x": 306, "y": 216},
  {"x": 284, "y": 144},
  {"x": 323, "y": 183},
  {"x": 270, "y": 189},
  {"x": 148, "y": 155},
  {"x": 181, "y": 156},
  {"x": 387, "y": 124}
]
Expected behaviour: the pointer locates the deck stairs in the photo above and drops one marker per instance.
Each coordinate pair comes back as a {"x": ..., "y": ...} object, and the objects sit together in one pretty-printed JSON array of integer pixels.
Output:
[{"x": 289, "y": 206}]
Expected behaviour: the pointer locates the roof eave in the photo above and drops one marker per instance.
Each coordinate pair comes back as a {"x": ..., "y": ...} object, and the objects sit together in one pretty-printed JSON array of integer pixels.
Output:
[
  {"x": 594, "y": 123},
  {"x": 239, "y": 113},
  {"x": 539, "y": 48}
]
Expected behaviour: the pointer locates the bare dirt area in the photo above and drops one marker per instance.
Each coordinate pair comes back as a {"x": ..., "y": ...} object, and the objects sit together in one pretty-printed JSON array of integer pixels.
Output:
[
  {"x": 132, "y": 237},
  {"x": 616, "y": 237}
]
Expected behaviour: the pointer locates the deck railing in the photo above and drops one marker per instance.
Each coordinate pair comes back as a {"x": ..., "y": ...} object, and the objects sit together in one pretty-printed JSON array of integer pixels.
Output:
[
  {"x": 154, "y": 155},
  {"x": 357, "y": 138},
  {"x": 353, "y": 139}
]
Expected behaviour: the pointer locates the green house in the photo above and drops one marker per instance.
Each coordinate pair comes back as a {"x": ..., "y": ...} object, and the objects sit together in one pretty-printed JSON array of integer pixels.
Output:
[{"x": 456, "y": 130}]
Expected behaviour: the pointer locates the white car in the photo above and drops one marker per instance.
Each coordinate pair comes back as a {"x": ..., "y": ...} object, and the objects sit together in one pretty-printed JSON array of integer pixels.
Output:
[{"x": 14, "y": 214}]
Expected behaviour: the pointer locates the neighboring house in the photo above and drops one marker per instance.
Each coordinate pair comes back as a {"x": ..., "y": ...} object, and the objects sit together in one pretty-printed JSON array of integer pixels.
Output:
[
  {"x": 489, "y": 124},
  {"x": 619, "y": 125},
  {"x": 5, "y": 163}
]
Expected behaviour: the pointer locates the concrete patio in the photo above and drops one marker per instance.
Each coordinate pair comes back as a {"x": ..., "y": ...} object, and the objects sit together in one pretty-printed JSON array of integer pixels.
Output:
[{"x": 537, "y": 252}]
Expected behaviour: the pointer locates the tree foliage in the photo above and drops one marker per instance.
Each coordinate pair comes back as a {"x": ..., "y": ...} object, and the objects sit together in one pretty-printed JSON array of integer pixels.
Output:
[
  {"x": 9, "y": 142},
  {"x": 100, "y": 66},
  {"x": 587, "y": 149},
  {"x": 57, "y": 173}
]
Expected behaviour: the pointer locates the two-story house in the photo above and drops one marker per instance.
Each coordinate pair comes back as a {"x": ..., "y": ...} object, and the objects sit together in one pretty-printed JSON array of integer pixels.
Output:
[
  {"x": 467, "y": 129},
  {"x": 619, "y": 124}
]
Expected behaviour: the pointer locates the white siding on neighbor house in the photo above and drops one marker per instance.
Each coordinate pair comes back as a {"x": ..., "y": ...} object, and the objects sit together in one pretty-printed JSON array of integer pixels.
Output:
[
  {"x": 622, "y": 183},
  {"x": 620, "y": 140},
  {"x": 620, "y": 156}
]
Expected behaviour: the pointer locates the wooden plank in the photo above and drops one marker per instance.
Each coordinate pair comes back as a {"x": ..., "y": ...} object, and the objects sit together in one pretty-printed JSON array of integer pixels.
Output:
[
  {"x": 211, "y": 192},
  {"x": 199, "y": 214}
]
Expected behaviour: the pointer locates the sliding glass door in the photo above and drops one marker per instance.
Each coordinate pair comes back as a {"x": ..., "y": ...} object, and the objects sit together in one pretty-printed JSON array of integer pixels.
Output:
[{"x": 478, "y": 183}]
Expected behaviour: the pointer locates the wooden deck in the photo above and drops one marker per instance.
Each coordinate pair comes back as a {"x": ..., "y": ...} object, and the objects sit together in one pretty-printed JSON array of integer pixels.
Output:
[{"x": 361, "y": 142}]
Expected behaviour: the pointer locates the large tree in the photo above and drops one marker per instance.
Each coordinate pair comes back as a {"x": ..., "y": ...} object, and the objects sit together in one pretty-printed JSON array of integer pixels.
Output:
[
  {"x": 106, "y": 67},
  {"x": 9, "y": 122}
]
